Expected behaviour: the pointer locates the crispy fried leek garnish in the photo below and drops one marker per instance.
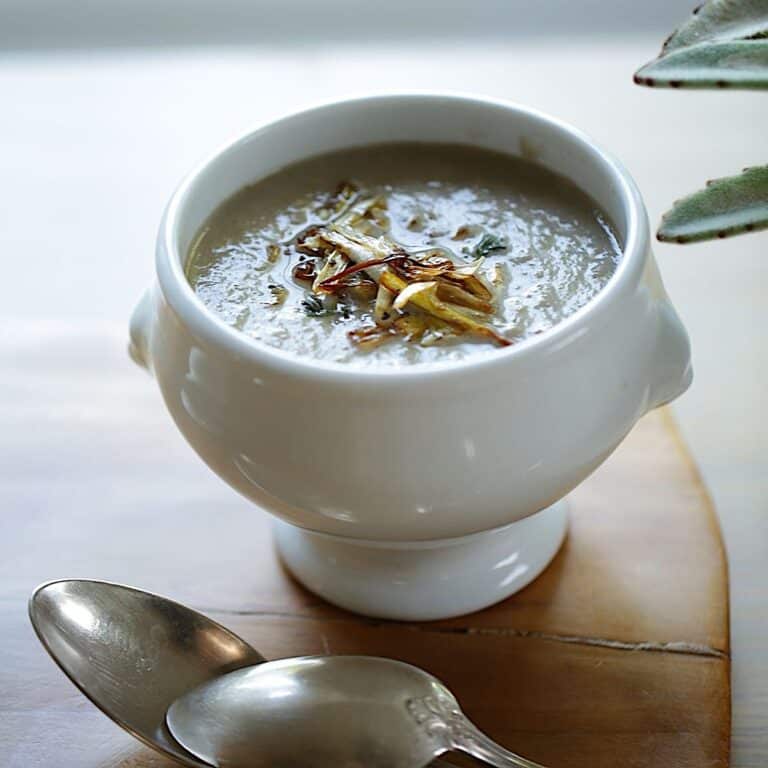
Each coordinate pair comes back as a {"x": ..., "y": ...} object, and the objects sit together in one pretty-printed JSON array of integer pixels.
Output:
[
  {"x": 345, "y": 192},
  {"x": 273, "y": 253},
  {"x": 459, "y": 285},
  {"x": 464, "y": 232},
  {"x": 412, "y": 327},
  {"x": 359, "y": 259},
  {"x": 371, "y": 336},
  {"x": 425, "y": 329},
  {"x": 278, "y": 294},
  {"x": 498, "y": 276},
  {"x": 305, "y": 270},
  {"x": 373, "y": 210},
  {"x": 472, "y": 281},
  {"x": 413, "y": 289},
  {"x": 430, "y": 303},
  {"x": 335, "y": 262},
  {"x": 415, "y": 223},
  {"x": 335, "y": 207},
  {"x": 390, "y": 266},
  {"x": 338, "y": 201},
  {"x": 332, "y": 284},
  {"x": 363, "y": 289},
  {"x": 382, "y": 309},
  {"x": 455, "y": 294}
]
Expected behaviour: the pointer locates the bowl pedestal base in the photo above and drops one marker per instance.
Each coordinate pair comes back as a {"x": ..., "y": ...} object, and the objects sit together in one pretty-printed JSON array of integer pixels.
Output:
[{"x": 421, "y": 581}]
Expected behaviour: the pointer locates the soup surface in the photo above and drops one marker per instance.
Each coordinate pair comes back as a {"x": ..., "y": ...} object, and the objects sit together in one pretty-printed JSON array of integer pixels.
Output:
[{"x": 401, "y": 254}]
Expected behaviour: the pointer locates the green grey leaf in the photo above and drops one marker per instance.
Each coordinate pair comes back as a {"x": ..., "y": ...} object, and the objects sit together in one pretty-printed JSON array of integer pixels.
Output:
[
  {"x": 741, "y": 64},
  {"x": 724, "y": 44},
  {"x": 720, "y": 21},
  {"x": 723, "y": 208},
  {"x": 489, "y": 243}
]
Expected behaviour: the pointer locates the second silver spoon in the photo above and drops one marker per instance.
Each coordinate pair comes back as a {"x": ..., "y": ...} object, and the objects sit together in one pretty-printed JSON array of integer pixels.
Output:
[{"x": 320, "y": 711}]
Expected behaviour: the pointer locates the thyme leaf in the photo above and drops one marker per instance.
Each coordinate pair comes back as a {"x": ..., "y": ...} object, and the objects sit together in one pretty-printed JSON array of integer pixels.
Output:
[
  {"x": 314, "y": 306},
  {"x": 489, "y": 243}
]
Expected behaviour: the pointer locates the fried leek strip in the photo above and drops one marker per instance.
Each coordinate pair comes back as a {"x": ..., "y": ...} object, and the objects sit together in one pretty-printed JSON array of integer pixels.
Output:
[{"x": 379, "y": 256}]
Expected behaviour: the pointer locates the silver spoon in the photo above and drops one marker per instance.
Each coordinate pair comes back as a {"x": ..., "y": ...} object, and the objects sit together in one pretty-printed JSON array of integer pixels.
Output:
[
  {"x": 320, "y": 711},
  {"x": 133, "y": 653}
]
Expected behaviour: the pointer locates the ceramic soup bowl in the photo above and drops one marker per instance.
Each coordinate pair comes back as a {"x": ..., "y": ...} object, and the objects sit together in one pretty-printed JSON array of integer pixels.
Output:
[{"x": 431, "y": 490}]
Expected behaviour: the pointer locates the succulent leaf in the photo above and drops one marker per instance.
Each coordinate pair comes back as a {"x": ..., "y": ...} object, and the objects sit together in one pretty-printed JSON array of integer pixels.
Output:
[
  {"x": 740, "y": 64},
  {"x": 719, "y": 21},
  {"x": 724, "y": 44},
  {"x": 725, "y": 207}
]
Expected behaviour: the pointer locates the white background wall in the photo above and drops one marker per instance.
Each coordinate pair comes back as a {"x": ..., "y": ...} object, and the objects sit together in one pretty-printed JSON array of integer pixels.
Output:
[{"x": 47, "y": 24}]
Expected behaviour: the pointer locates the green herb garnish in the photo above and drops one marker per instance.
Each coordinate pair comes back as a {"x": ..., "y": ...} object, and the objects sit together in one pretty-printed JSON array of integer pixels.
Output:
[
  {"x": 314, "y": 306},
  {"x": 489, "y": 243}
]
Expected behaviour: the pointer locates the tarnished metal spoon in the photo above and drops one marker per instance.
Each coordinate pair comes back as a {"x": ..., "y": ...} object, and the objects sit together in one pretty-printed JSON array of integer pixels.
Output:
[
  {"x": 320, "y": 711},
  {"x": 133, "y": 653}
]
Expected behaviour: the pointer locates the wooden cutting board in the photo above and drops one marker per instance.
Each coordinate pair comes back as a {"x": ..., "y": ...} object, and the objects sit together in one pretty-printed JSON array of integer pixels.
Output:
[{"x": 617, "y": 656}]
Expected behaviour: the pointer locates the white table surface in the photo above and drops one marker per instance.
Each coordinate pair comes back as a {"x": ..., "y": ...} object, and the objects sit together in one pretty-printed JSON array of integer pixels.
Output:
[{"x": 93, "y": 143}]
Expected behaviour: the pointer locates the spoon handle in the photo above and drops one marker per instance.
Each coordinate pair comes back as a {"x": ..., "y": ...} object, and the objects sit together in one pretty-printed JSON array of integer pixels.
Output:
[{"x": 470, "y": 739}]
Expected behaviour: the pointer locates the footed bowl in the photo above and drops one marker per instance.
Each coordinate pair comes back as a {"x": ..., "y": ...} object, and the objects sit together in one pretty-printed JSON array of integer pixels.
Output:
[{"x": 433, "y": 490}]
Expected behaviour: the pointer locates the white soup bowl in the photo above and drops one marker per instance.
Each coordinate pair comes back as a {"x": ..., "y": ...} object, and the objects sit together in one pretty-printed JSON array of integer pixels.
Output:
[{"x": 398, "y": 491}]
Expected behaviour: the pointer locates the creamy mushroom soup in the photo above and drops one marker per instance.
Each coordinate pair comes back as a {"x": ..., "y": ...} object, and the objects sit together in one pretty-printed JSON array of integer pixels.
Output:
[{"x": 402, "y": 253}]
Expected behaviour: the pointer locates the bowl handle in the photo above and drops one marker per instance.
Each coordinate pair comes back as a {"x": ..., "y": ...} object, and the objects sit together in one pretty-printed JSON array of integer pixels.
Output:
[
  {"x": 138, "y": 346},
  {"x": 672, "y": 372}
]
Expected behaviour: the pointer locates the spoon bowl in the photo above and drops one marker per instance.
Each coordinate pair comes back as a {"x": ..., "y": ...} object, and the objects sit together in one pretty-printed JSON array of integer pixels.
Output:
[
  {"x": 133, "y": 653},
  {"x": 318, "y": 711}
]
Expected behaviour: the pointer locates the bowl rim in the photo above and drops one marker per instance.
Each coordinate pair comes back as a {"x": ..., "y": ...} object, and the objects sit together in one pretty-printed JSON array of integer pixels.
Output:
[{"x": 205, "y": 325}]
